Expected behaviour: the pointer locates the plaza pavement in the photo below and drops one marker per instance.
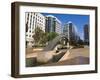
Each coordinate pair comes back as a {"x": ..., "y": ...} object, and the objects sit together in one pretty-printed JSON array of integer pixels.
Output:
[{"x": 71, "y": 57}]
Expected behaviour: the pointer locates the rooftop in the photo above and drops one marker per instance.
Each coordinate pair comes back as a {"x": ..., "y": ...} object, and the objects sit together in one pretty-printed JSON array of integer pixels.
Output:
[{"x": 54, "y": 17}]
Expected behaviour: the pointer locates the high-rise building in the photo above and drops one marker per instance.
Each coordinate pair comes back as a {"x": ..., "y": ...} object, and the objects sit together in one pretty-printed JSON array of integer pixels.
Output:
[
  {"x": 33, "y": 20},
  {"x": 53, "y": 24},
  {"x": 70, "y": 31},
  {"x": 86, "y": 33}
]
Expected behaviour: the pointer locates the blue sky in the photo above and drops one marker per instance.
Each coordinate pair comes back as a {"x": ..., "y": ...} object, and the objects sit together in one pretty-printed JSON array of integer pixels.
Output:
[{"x": 78, "y": 20}]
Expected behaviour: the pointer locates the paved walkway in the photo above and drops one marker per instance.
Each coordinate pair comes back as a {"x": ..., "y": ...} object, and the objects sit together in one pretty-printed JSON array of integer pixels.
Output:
[
  {"x": 84, "y": 52},
  {"x": 72, "y": 53},
  {"x": 73, "y": 57}
]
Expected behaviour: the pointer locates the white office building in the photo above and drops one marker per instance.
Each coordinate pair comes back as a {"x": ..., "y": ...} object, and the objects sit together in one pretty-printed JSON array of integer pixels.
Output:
[{"x": 33, "y": 20}]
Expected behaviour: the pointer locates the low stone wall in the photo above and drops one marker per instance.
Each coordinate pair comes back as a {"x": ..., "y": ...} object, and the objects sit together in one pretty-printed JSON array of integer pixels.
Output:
[{"x": 30, "y": 62}]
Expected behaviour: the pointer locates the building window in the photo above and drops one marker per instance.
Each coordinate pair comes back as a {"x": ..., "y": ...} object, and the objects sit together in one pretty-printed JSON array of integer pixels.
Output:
[
  {"x": 26, "y": 27},
  {"x": 26, "y": 35},
  {"x": 29, "y": 35}
]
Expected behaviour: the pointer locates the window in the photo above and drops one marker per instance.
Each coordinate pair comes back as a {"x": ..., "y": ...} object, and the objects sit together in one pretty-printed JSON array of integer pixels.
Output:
[{"x": 29, "y": 35}]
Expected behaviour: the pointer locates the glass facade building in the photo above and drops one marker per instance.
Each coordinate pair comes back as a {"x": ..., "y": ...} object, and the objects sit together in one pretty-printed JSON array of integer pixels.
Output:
[
  {"x": 53, "y": 24},
  {"x": 71, "y": 32},
  {"x": 86, "y": 33}
]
